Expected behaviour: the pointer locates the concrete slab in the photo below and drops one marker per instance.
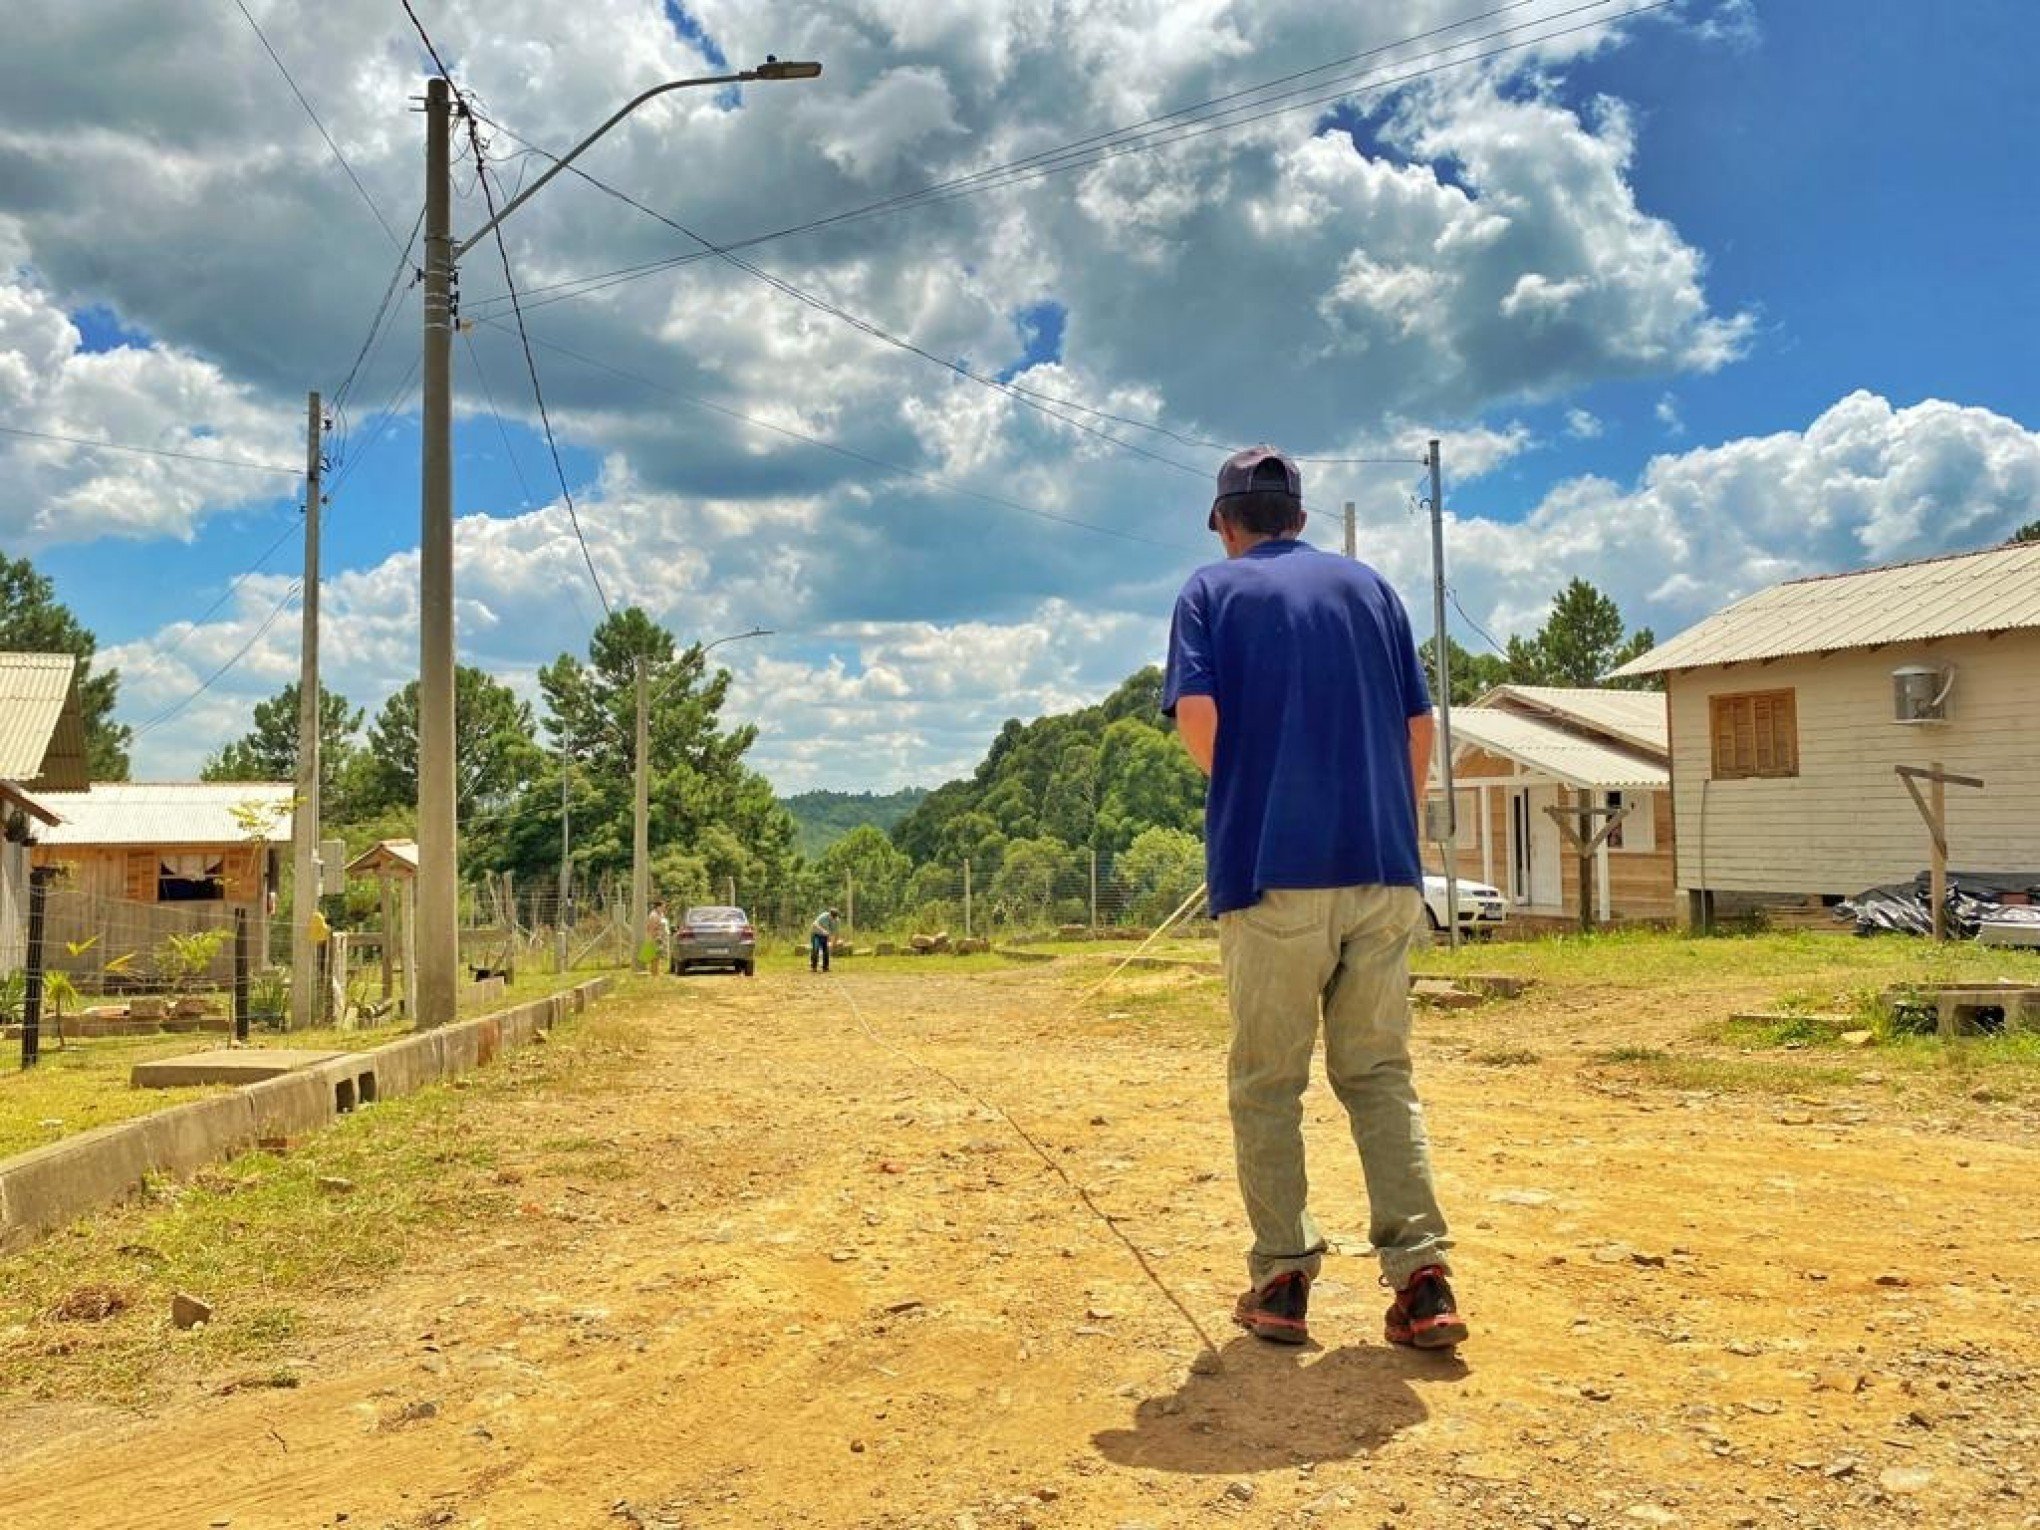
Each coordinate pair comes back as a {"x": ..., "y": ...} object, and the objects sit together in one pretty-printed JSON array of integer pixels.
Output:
[{"x": 223, "y": 1067}]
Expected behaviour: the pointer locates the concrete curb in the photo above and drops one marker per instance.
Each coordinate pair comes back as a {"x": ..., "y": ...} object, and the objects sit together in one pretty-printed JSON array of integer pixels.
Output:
[{"x": 47, "y": 1187}]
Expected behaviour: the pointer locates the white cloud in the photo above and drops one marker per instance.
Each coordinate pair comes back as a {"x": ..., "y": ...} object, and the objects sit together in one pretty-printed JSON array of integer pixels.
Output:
[
  {"x": 1583, "y": 424},
  {"x": 1667, "y": 412}
]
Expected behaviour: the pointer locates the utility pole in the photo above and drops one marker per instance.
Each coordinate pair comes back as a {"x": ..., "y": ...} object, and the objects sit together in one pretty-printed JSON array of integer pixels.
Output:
[
  {"x": 438, "y": 874},
  {"x": 1449, "y": 845},
  {"x": 304, "y": 823},
  {"x": 641, "y": 819},
  {"x": 1352, "y": 532}
]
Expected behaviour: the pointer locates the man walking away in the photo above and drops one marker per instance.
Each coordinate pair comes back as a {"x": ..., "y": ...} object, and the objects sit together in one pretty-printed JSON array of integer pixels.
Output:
[
  {"x": 658, "y": 938},
  {"x": 821, "y": 936},
  {"x": 1296, "y": 687}
]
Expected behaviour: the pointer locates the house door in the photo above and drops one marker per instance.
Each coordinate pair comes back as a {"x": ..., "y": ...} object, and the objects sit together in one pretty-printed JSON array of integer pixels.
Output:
[{"x": 1535, "y": 847}]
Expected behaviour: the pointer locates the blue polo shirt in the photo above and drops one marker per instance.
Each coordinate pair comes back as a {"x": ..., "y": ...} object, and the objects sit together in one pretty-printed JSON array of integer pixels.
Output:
[{"x": 1310, "y": 660}]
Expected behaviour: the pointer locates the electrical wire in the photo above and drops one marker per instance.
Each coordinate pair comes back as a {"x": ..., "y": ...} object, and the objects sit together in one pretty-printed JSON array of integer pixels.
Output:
[
  {"x": 510, "y": 285},
  {"x": 239, "y": 654},
  {"x": 851, "y": 454},
  {"x": 151, "y": 451},
  {"x": 1488, "y": 637},
  {"x": 337, "y": 155},
  {"x": 1065, "y": 158}
]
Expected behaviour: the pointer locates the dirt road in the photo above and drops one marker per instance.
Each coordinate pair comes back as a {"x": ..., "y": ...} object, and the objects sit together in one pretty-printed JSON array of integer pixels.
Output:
[{"x": 787, "y": 1274}]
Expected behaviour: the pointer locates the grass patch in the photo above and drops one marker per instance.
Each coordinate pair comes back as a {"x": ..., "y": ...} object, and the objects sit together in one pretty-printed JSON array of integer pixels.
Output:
[{"x": 263, "y": 1236}]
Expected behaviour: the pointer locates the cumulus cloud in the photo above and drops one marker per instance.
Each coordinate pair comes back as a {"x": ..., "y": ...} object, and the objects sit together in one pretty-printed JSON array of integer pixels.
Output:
[
  {"x": 939, "y": 554},
  {"x": 1583, "y": 424},
  {"x": 1867, "y": 482}
]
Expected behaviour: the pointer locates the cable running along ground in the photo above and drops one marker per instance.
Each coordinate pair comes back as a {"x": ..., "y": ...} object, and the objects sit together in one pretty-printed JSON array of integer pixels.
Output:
[{"x": 1081, "y": 1192}]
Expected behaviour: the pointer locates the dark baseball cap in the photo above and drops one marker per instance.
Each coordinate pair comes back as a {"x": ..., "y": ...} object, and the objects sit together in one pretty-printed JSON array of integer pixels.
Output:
[{"x": 1258, "y": 469}]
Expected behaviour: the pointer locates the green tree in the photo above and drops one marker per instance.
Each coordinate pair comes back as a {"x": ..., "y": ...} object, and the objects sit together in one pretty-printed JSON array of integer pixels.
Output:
[
  {"x": 1579, "y": 643},
  {"x": 1145, "y": 780},
  {"x": 698, "y": 780},
  {"x": 1158, "y": 871},
  {"x": 32, "y": 620},
  {"x": 2030, "y": 532},
  {"x": 269, "y": 750},
  {"x": 495, "y": 749},
  {"x": 1030, "y": 874},
  {"x": 868, "y": 861},
  {"x": 1473, "y": 674}
]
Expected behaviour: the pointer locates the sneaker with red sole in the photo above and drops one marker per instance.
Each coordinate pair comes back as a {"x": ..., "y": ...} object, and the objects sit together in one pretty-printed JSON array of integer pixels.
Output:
[
  {"x": 1423, "y": 1314},
  {"x": 1276, "y": 1311}
]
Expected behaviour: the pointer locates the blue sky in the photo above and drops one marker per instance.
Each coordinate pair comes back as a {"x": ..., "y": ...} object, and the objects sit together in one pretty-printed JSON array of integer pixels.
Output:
[{"x": 1710, "y": 297}]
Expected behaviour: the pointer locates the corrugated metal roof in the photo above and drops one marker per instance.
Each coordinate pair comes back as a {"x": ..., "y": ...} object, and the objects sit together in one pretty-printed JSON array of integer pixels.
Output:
[
  {"x": 42, "y": 732},
  {"x": 1551, "y": 750},
  {"x": 1634, "y": 717},
  {"x": 1997, "y": 590},
  {"x": 167, "y": 813},
  {"x": 398, "y": 857}
]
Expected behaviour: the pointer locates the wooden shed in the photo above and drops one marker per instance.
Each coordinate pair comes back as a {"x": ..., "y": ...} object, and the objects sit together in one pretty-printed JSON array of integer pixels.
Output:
[
  {"x": 42, "y": 749},
  {"x": 151, "y": 858},
  {"x": 1792, "y": 710}
]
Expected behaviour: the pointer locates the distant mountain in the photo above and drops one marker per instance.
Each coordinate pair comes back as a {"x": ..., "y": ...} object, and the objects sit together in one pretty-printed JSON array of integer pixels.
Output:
[{"x": 822, "y": 818}]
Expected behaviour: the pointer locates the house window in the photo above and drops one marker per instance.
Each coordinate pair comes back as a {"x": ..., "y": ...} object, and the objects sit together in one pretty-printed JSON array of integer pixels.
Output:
[
  {"x": 190, "y": 879},
  {"x": 1635, "y": 831},
  {"x": 1755, "y": 734}
]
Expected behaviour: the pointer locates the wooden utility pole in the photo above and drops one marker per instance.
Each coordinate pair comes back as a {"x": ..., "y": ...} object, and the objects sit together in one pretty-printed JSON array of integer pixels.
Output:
[
  {"x": 1934, "y": 808},
  {"x": 1576, "y": 824},
  {"x": 305, "y": 878}
]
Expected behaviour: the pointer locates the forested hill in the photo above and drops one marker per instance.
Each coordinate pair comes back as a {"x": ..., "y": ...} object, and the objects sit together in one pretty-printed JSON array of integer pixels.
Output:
[
  {"x": 822, "y": 818},
  {"x": 1093, "y": 778}
]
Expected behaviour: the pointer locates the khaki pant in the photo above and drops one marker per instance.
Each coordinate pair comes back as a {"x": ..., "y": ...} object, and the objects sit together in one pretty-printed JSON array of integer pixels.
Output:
[{"x": 1340, "y": 954}]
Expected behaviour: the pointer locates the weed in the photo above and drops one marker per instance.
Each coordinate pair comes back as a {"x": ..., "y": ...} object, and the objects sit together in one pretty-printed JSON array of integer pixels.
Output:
[{"x": 1505, "y": 1057}]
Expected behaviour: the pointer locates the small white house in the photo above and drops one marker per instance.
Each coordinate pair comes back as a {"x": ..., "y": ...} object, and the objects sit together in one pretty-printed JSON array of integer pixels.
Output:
[
  {"x": 1791, "y": 711},
  {"x": 1524, "y": 750}
]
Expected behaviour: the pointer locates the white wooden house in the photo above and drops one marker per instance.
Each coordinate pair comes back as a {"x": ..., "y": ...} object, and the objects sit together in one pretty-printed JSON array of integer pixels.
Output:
[
  {"x": 1791, "y": 711},
  {"x": 1524, "y": 749}
]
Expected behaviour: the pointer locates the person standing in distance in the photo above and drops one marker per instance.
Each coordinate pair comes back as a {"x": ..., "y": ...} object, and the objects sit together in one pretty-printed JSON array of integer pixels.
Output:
[
  {"x": 1296, "y": 687},
  {"x": 821, "y": 936}
]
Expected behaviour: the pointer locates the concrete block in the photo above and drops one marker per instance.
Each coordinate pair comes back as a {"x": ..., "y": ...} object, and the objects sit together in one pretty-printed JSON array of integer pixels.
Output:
[
  {"x": 185, "y": 1138},
  {"x": 408, "y": 1065},
  {"x": 290, "y": 1106},
  {"x": 351, "y": 1080},
  {"x": 249, "y": 1066},
  {"x": 46, "y": 1187}
]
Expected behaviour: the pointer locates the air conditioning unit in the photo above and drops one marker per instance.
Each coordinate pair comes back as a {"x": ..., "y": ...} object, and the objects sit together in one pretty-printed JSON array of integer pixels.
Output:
[{"x": 1919, "y": 692}]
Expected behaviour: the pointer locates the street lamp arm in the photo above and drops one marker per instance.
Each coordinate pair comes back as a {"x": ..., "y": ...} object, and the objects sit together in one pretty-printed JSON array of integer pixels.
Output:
[{"x": 772, "y": 69}]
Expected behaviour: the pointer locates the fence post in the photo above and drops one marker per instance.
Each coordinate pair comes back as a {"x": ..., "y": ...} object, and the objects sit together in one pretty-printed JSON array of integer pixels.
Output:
[
  {"x": 240, "y": 973},
  {"x": 32, "y": 996},
  {"x": 1094, "y": 891},
  {"x": 966, "y": 899}
]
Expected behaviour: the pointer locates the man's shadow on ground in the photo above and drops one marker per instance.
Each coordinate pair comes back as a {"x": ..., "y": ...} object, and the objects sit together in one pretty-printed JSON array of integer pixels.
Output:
[{"x": 1272, "y": 1405}]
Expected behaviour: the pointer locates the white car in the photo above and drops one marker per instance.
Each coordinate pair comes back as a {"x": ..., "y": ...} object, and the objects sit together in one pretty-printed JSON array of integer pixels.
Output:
[{"x": 1481, "y": 907}]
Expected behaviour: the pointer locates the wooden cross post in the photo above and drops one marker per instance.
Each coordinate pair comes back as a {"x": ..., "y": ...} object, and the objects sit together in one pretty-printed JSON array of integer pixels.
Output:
[
  {"x": 1586, "y": 839},
  {"x": 1934, "y": 808}
]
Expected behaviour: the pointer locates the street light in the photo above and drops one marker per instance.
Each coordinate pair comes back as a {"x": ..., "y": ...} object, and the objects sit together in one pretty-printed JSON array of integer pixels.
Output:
[
  {"x": 641, "y": 795},
  {"x": 438, "y": 872}
]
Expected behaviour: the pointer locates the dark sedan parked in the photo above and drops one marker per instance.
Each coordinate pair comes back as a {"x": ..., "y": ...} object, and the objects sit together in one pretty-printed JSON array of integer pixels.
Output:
[{"x": 715, "y": 936}]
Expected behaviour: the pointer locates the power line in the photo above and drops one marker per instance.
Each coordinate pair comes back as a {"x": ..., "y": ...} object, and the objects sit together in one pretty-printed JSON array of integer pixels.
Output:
[
  {"x": 337, "y": 155},
  {"x": 531, "y": 365},
  {"x": 1025, "y": 396},
  {"x": 510, "y": 284},
  {"x": 151, "y": 451},
  {"x": 241, "y": 653},
  {"x": 1453, "y": 595},
  {"x": 894, "y": 469},
  {"x": 375, "y": 326},
  {"x": 1067, "y": 157},
  {"x": 1028, "y": 397}
]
